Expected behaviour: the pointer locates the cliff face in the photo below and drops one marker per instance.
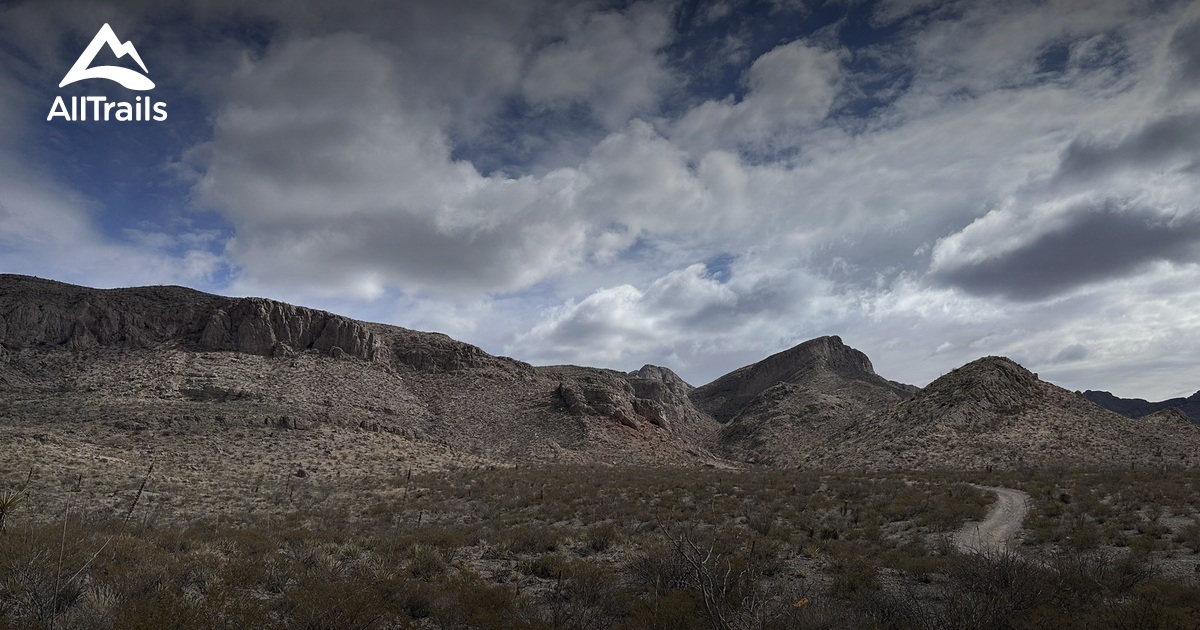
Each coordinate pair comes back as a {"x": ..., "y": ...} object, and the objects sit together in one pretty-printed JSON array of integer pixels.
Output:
[
  {"x": 37, "y": 313},
  {"x": 166, "y": 357},
  {"x": 258, "y": 326}
]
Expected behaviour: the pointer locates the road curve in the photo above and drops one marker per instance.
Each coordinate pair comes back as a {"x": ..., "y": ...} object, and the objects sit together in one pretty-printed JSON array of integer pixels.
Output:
[{"x": 1002, "y": 523}]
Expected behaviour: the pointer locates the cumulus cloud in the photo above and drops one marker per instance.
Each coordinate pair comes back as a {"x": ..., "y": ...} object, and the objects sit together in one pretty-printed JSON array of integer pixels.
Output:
[
  {"x": 326, "y": 185},
  {"x": 688, "y": 318},
  {"x": 788, "y": 89},
  {"x": 609, "y": 62}
]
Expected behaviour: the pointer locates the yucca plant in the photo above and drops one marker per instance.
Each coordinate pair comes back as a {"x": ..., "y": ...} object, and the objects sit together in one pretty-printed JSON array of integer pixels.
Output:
[{"x": 9, "y": 501}]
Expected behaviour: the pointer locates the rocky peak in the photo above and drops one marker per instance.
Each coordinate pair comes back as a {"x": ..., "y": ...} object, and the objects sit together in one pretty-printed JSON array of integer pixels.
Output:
[
  {"x": 993, "y": 371},
  {"x": 828, "y": 353},
  {"x": 658, "y": 383},
  {"x": 726, "y": 396},
  {"x": 994, "y": 384}
]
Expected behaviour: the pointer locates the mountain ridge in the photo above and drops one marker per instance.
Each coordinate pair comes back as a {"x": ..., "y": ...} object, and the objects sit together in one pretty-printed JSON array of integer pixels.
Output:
[
  {"x": 1139, "y": 407},
  {"x": 172, "y": 352},
  {"x": 992, "y": 412},
  {"x": 171, "y": 361}
]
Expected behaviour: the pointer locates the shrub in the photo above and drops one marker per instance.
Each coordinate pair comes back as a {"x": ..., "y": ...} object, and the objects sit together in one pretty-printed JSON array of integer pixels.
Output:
[{"x": 601, "y": 536}]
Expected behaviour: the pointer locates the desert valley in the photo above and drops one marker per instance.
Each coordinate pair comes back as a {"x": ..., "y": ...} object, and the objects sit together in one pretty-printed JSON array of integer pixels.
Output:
[{"x": 179, "y": 459}]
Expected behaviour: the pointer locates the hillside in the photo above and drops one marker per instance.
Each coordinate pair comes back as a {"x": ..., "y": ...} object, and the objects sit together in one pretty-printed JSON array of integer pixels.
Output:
[
  {"x": 1138, "y": 407},
  {"x": 994, "y": 413},
  {"x": 783, "y": 409},
  {"x": 222, "y": 393}
]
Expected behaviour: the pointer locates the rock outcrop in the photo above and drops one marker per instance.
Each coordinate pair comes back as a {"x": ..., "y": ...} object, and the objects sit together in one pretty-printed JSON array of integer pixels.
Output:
[
  {"x": 650, "y": 396},
  {"x": 41, "y": 313}
]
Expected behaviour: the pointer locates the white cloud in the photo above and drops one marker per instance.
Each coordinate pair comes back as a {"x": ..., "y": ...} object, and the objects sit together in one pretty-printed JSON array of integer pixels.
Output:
[
  {"x": 686, "y": 318},
  {"x": 329, "y": 184},
  {"x": 789, "y": 89},
  {"x": 608, "y": 61},
  {"x": 47, "y": 229}
]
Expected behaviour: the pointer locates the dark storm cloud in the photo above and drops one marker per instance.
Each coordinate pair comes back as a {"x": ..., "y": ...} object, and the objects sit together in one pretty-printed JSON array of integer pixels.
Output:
[
  {"x": 1073, "y": 352},
  {"x": 1094, "y": 245},
  {"x": 1155, "y": 145}
]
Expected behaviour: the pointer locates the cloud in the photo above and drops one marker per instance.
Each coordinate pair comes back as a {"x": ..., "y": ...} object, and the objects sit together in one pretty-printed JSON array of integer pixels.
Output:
[
  {"x": 1169, "y": 142},
  {"x": 1057, "y": 253},
  {"x": 46, "y": 229},
  {"x": 609, "y": 62},
  {"x": 687, "y": 318},
  {"x": 1073, "y": 352},
  {"x": 1185, "y": 45},
  {"x": 352, "y": 178},
  {"x": 888, "y": 12},
  {"x": 968, "y": 49},
  {"x": 789, "y": 88}
]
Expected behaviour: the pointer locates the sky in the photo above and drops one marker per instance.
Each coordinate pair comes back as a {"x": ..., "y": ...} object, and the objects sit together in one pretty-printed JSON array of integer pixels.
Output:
[{"x": 691, "y": 184}]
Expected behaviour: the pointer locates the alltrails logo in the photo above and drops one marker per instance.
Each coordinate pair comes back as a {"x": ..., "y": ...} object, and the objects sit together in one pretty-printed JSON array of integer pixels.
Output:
[{"x": 143, "y": 108}]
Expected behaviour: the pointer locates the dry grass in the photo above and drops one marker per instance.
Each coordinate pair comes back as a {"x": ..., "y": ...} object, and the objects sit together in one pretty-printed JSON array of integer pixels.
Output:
[{"x": 579, "y": 547}]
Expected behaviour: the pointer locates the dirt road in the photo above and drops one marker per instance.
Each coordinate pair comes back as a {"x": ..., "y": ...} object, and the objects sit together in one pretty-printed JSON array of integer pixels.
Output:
[{"x": 1002, "y": 523}]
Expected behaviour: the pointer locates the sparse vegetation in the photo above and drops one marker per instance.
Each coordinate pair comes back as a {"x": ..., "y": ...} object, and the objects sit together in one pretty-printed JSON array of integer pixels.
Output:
[
  {"x": 594, "y": 547},
  {"x": 427, "y": 484}
]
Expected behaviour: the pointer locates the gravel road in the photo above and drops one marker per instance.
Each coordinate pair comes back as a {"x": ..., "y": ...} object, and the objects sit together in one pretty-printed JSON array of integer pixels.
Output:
[{"x": 1002, "y": 523}]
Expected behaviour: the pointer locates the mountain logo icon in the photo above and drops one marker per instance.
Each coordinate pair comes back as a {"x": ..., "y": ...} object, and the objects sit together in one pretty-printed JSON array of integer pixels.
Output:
[{"x": 126, "y": 77}]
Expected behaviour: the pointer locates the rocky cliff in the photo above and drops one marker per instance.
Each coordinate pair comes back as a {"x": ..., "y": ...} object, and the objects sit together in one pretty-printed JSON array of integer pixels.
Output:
[
  {"x": 41, "y": 313},
  {"x": 146, "y": 358}
]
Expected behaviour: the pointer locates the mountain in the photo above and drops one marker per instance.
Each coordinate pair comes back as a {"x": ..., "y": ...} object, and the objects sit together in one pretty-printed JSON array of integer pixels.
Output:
[
  {"x": 784, "y": 408},
  {"x": 1137, "y": 407},
  {"x": 994, "y": 413},
  {"x": 221, "y": 393},
  {"x": 168, "y": 368}
]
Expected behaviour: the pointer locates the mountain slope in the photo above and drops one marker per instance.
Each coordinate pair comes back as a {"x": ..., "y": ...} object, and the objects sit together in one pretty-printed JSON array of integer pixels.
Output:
[
  {"x": 993, "y": 412},
  {"x": 169, "y": 359},
  {"x": 776, "y": 411},
  {"x": 217, "y": 391}
]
